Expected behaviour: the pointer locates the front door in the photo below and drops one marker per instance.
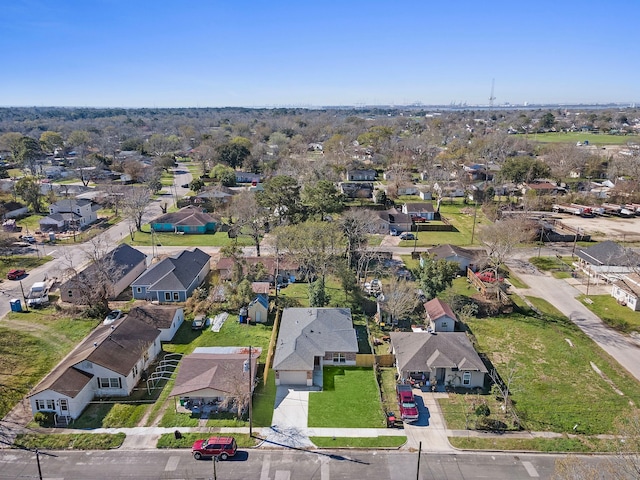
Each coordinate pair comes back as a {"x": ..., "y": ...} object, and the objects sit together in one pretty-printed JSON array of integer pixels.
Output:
[
  {"x": 64, "y": 406},
  {"x": 440, "y": 372}
]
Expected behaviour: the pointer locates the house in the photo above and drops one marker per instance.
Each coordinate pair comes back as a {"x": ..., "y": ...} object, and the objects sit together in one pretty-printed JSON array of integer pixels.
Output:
[
  {"x": 248, "y": 177},
  {"x": 446, "y": 358},
  {"x": 310, "y": 338},
  {"x": 440, "y": 316},
  {"x": 419, "y": 210},
  {"x": 109, "y": 362},
  {"x": 276, "y": 270},
  {"x": 392, "y": 219},
  {"x": 258, "y": 308},
  {"x": 607, "y": 259},
  {"x": 626, "y": 291},
  {"x": 216, "y": 375},
  {"x": 448, "y": 189},
  {"x": 464, "y": 257},
  {"x": 361, "y": 175},
  {"x": 356, "y": 190},
  {"x": 425, "y": 195},
  {"x": 122, "y": 266},
  {"x": 543, "y": 188},
  {"x": 165, "y": 318},
  {"x": 187, "y": 220},
  {"x": 70, "y": 214},
  {"x": 174, "y": 278},
  {"x": 216, "y": 195},
  {"x": 260, "y": 288},
  {"x": 13, "y": 209}
]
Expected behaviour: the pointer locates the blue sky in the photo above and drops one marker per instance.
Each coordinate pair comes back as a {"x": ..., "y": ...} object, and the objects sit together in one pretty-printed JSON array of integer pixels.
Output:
[{"x": 199, "y": 53}]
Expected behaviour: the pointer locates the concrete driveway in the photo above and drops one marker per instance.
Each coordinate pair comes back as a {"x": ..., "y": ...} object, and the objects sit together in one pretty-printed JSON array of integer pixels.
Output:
[
  {"x": 290, "y": 415},
  {"x": 430, "y": 429}
]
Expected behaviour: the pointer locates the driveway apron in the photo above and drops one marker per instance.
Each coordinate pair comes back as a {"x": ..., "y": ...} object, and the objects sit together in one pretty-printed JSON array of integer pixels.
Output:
[
  {"x": 289, "y": 423},
  {"x": 430, "y": 429}
]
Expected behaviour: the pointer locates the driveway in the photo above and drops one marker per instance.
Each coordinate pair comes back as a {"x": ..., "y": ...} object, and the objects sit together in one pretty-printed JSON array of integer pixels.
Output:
[
  {"x": 290, "y": 415},
  {"x": 430, "y": 429}
]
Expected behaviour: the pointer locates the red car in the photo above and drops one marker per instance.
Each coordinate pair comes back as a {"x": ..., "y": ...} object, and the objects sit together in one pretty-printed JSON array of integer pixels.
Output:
[
  {"x": 488, "y": 277},
  {"x": 221, "y": 447},
  {"x": 15, "y": 274},
  {"x": 407, "y": 404}
]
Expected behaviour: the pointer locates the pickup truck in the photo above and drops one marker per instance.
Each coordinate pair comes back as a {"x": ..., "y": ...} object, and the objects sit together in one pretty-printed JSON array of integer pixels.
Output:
[{"x": 406, "y": 403}]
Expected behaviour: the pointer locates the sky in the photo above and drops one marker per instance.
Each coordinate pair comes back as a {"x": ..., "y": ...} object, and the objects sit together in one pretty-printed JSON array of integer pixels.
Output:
[{"x": 213, "y": 53}]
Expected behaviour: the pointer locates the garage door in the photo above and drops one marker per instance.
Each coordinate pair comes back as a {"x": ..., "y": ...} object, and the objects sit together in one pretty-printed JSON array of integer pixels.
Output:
[{"x": 293, "y": 378}]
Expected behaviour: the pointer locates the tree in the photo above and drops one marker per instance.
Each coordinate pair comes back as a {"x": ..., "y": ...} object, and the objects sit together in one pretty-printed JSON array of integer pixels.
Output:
[
  {"x": 323, "y": 198},
  {"x": 224, "y": 175},
  {"x": 501, "y": 238},
  {"x": 317, "y": 294},
  {"x": 435, "y": 276},
  {"x": 281, "y": 195},
  {"x": 10, "y": 142},
  {"x": 94, "y": 284},
  {"x": 28, "y": 153},
  {"x": 356, "y": 227},
  {"x": 134, "y": 205},
  {"x": 80, "y": 140},
  {"x": 233, "y": 154},
  {"x": 400, "y": 298},
  {"x": 160, "y": 145},
  {"x": 524, "y": 169},
  {"x": 547, "y": 121},
  {"x": 51, "y": 141},
  {"x": 28, "y": 188},
  {"x": 251, "y": 218}
]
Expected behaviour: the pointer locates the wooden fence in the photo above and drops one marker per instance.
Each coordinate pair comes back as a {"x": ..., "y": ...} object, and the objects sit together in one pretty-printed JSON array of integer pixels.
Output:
[{"x": 368, "y": 360}]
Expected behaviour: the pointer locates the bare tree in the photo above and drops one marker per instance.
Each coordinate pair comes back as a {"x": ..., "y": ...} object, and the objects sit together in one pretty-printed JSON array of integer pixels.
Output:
[
  {"x": 134, "y": 205},
  {"x": 251, "y": 218},
  {"x": 503, "y": 236},
  {"x": 400, "y": 298}
]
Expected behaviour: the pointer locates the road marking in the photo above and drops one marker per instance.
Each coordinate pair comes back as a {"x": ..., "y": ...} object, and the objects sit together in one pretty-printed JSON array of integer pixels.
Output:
[
  {"x": 172, "y": 464},
  {"x": 266, "y": 464},
  {"x": 531, "y": 470},
  {"x": 283, "y": 475}
]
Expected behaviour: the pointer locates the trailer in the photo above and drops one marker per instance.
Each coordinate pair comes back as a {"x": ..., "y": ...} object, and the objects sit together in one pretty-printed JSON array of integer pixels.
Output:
[{"x": 573, "y": 209}]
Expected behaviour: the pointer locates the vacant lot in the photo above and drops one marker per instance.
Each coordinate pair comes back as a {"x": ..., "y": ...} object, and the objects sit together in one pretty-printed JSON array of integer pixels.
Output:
[
  {"x": 598, "y": 139},
  {"x": 555, "y": 386},
  {"x": 605, "y": 228}
]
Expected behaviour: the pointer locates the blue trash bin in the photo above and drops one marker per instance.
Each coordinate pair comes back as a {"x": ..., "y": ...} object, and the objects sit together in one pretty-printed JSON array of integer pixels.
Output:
[{"x": 16, "y": 305}]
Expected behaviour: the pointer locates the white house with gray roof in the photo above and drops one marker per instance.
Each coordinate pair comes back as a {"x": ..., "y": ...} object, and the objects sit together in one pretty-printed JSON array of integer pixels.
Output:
[
  {"x": 310, "y": 338},
  {"x": 70, "y": 214}
]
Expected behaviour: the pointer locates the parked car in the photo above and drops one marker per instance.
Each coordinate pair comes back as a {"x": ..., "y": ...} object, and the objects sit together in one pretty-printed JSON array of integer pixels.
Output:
[
  {"x": 406, "y": 403},
  {"x": 393, "y": 232},
  {"x": 198, "y": 323},
  {"x": 488, "y": 277},
  {"x": 407, "y": 236},
  {"x": 29, "y": 239},
  {"x": 221, "y": 447},
  {"x": 185, "y": 185},
  {"x": 112, "y": 317},
  {"x": 38, "y": 295},
  {"x": 16, "y": 273}
]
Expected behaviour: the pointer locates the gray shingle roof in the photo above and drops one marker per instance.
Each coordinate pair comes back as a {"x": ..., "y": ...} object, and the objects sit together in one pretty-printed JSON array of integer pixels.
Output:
[
  {"x": 609, "y": 253},
  {"x": 175, "y": 272},
  {"x": 309, "y": 332},
  {"x": 417, "y": 352},
  {"x": 158, "y": 316}
]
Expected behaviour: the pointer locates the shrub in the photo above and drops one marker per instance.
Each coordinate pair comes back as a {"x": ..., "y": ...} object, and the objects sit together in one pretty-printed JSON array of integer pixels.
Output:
[
  {"x": 483, "y": 410},
  {"x": 44, "y": 419}
]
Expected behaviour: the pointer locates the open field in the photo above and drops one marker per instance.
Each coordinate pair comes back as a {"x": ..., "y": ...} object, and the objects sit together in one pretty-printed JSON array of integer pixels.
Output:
[
  {"x": 555, "y": 386},
  {"x": 605, "y": 228},
  {"x": 598, "y": 139}
]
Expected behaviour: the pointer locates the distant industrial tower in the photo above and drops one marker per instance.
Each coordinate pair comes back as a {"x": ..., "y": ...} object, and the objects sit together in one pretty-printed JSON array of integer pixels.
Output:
[{"x": 492, "y": 97}]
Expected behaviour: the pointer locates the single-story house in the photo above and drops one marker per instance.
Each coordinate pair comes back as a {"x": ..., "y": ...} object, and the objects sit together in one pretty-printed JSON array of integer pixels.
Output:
[
  {"x": 70, "y": 214},
  {"x": 607, "y": 259},
  {"x": 361, "y": 175},
  {"x": 445, "y": 359},
  {"x": 13, "y": 209},
  {"x": 217, "y": 194},
  {"x": 248, "y": 177},
  {"x": 260, "y": 288},
  {"x": 423, "y": 210},
  {"x": 109, "y": 362},
  {"x": 174, "y": 278},
  {"x": 165, "y": 318},
  {"x": 464, "y": 257},
  {"x": 440, "y": 316},
  {"x": 392, "y": 219},
  {"x": 356, "y": 189},
  {"x": 215, "y": 375},
  {"x": 626, "y": 291},
  {"x": 543, "y": 188},
  {"x": 310, "y": 338},
  {"x": 122, "y": 265},
  {"x": 187, "y": 220},
  {"x": 258, "y": 308}
]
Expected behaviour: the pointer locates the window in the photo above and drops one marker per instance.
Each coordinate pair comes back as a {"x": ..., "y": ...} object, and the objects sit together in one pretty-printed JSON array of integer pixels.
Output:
[
  {"x": 45, "y": 405},
  {"x": 109, "y": 383},
  {"x": 444, "y": 324},
  {"x": 176, "y": 296},
  {"x": 135, "y": 371},
  {"x": 339, "y": 358},
  {"x": 138, "y": 289},
  {"x": 70, "y": 293},
  {"x": 466, "y": 378},
  {"x": 167, "y": 296}
]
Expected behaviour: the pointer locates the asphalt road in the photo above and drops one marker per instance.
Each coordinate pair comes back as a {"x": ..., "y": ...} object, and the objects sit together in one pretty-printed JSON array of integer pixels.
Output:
[{"x": 279, "y": 465}]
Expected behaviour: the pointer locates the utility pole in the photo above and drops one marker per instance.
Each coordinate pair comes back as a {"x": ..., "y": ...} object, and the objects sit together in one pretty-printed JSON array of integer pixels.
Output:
[
  {"x": 419, "y": 452},
  {"x": 250, "y": 396}
]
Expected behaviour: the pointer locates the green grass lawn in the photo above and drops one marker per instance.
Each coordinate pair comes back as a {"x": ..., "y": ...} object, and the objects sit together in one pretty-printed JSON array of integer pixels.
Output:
[
  {"x": 580, "y": 444},
  {"x": 394, "y": 441},
  {"x": 76, "y": 441},
  {"x": 388, "y": 382},
  {"x": 28, "y": 262},
  {"x": 575, "y": 137},
  {"x": 31, "y": 344},
  {"x": 218, "y": 239},
  {"x": 168, "y": 440},
  {"x": 617, "y": 316},
  {"x": 555, "y": 386},
  {"x": 297, "y": 294},
  {"x": 349, "y": 399}
]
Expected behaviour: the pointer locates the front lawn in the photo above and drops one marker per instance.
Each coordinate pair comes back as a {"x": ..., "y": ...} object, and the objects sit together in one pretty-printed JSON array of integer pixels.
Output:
[
  {"x": 64, "y": 441},
  {"x": 619, "y": 317},
  {"x": 218, "y": 239},
  {"x": 169, "y": 440},
  {"x": 394, "y": 441},
  {"x": 349, "y": 399},
  {"x": 555, "y": 387}
]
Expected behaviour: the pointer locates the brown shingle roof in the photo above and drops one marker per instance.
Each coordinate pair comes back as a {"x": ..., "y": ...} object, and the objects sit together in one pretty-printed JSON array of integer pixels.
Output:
[
  {"x": 159, "y": 316},
  {"x": 436, "y": 308}
]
